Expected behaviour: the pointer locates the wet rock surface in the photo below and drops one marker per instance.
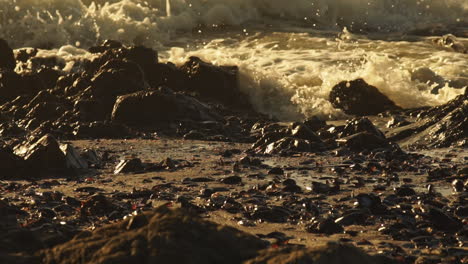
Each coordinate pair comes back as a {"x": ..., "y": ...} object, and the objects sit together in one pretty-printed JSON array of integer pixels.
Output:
[
  {"x": 125, "y": 158},
  {"x": 359, "y": 98}
]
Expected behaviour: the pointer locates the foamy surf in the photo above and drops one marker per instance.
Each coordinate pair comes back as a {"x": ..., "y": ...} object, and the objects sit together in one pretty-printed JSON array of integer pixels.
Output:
[{"x": 290, "y": 53}]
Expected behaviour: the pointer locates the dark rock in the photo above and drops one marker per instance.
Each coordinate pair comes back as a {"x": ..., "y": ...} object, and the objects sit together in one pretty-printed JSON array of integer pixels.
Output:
[
  {"x": 167, "y": 74},
  {"x": 11, "y": 85},
  {"x": 368, "y": 201},
  {"x": 405, "y": 191},
  {"x": 232, "y": 180},
  {"x": 331, "y": 253},
  {"x": 326, "y": 226},
  {"x": 442, "y": 220},
  {"x": 10, "y": 164},
  {"x": 363, "y": 141},
  {"x": 440, "y": 126},
  {"x": 314, "y": 123},
  {"x": 397, "y": 121},
  {"x": 106, "y": 45},
  {"x": 359, "y": 125},
  {"x": 7, "y": 59},
  {"x": 452, "y": 129},
  {"x": 276, "y": 171},
  {"x": 359, "y": 98},
  {"x": 44, "y": 153},
  {"x": 303, "y": 132},
  {"x": 219, "y": 83},
  {"x": 72, "y": 157},
  {"x": 96, "y": 205},
  {"x": 273, "y": 214},
  {"x": 353, "y": 218},
  {"x": 128, "y": 166},
  {"x": 159, "y": 238},
  {"x": 90, "y": 110},
  {"x": 321, "y": 188},
  {"x": 146, "y": 108},
  {"x": 293, "y": 188},
  {"x": 288, "y": 144},
  {"x": 194, "y": 135},
  {"x": 48, "y": 77},
  {"x": 458, "y": 185},
  {"x": 461, "y": 211},
  {"x": 439, "y": 173},
  {"x": 101, "y": 130},
  {"x": 117, "y": 77}
]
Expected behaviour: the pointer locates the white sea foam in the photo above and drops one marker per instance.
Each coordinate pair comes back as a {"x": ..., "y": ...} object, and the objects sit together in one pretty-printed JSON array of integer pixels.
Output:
[{"x": 290, "y": 53}]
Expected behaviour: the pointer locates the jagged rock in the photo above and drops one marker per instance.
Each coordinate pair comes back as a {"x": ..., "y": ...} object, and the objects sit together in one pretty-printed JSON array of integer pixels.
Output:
[
  {"x": 303, "y": 132},
  {"x": 219, "y": 83},
  {"x": 159, "y": 237},
  {"x": 273, "y": 214},
  {"x": 359, "y": 125},
  {"x": 441, "y": 126},
  {"x": 451, "y": 129},
  {"x": 363, "y": 141},
  {"x": 397, "y": 121},
  {"x": 106, "y": 45},
  {"x": 45, "y": 154},
  {"x": 48, "y": 77},
  {"x": 117, "y": 77},
  {"x": 325, "y": 226},
  {"x": 359, "y": 98},
  {"x": 90, "y": 110},
  {"x": 72, "y": 157},
  {"x": 127, "y": 166},
  {"x": 288, "y": 144},
  {"x": 146, "y": 108},
  {"x": 167, "y": 74},
  {"x": 314, "y": 123},
  {"x": 441, "y": 220},
  {"x": 7, "y": 59},
  {"x": 331, "y": 253},
  {"x": 100, "y": 129}
]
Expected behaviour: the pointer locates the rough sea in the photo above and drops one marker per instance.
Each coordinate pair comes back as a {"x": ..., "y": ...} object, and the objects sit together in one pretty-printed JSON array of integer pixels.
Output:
[{"x": 290, "y": 52}]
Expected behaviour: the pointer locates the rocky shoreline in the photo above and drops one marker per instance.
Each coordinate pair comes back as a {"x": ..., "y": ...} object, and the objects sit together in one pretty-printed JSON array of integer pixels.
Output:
[{"x": 128, "y": 159}]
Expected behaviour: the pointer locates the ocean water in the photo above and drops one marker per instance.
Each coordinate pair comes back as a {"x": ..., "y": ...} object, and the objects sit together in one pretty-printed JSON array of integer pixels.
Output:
[{"x": 290, "y": 52}]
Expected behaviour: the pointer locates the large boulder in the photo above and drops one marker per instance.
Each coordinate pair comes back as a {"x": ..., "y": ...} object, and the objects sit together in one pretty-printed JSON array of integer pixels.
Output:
[
  {"x": 161, "y": 236},
  {"x": 7, "y": 58},
  {"x": 149, "y": 107},
  {"x": 359, "y": 98},
  {"x": 215, "y": 82},
  {"x": 117, "y": 77}
]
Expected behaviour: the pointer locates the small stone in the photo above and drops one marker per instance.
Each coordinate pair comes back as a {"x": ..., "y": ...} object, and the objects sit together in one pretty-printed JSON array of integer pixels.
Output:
[
  {"x": 276, "y": 171},
  {"x": 128, "y": 166},
  {"x": 232, "y": 180}
]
